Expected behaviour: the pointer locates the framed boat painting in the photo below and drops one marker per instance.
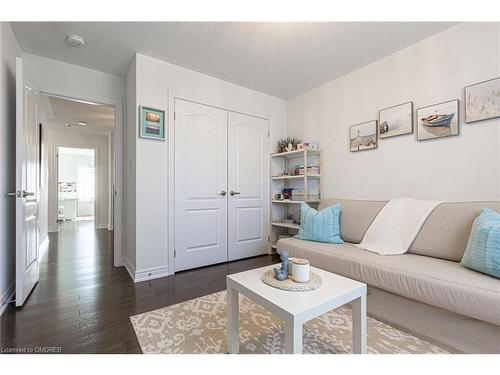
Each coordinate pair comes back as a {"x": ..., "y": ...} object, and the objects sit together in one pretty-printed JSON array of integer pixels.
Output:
[
  {"x": 438, "y": 120},
  {"x": 482, "y": 101},
  {"x": 152, "y": 123},
  {"x": 363, "y": 136},
  {"x": 395, "y": 120}
]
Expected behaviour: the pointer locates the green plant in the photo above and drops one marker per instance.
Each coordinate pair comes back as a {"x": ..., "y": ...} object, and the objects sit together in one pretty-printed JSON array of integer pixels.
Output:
[{"x": 283, "y": 143}]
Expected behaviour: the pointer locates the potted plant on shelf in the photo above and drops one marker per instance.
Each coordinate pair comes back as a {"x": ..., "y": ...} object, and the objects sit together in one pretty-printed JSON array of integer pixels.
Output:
[{"x": 287, "y": 144}]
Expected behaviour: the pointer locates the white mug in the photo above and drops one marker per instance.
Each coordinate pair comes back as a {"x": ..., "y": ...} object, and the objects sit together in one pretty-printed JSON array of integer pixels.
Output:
[{"x": 300, "y": 270}]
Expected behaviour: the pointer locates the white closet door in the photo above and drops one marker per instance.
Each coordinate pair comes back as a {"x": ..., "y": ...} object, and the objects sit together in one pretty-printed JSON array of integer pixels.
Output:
[
  {"x": 200, "y": 185},
  {"x": 248, "y": 185}
]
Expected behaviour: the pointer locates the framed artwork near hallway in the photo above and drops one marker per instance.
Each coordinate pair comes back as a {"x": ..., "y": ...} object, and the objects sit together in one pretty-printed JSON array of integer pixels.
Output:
[
  {"x": 152, "y": 123},
  {"x": 438, "y": 120},
  {"x": 396, "y": 120},
  {"x": 363, "y": 136},
  {"x": 482, "y": 101}
]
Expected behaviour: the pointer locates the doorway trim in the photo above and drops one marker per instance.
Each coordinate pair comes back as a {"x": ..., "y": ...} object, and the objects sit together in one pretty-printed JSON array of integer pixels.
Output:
[
  {"x": 96, "y": 178},
  {"x": 118, "y": 139}
]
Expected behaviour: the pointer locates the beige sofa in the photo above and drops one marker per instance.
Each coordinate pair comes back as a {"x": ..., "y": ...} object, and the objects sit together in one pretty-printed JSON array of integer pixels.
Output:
[{"x": 425, "y": 291}]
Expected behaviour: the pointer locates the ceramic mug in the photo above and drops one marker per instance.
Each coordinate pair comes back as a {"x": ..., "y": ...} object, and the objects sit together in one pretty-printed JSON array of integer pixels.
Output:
[{"x": 300, "y": 270}]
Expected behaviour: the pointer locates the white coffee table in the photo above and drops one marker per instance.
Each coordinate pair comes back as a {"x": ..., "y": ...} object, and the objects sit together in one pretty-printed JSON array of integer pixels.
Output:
[{"x": 296, "y": 308}]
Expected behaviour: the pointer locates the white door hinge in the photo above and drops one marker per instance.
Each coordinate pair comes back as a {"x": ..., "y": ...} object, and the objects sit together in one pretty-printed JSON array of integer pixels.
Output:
[
  {"x": 268, "y": 238},
  {"x": 268, "y": 134},
  {"x": 175, "y": 253},
  {"x": 174, "y": 115}
]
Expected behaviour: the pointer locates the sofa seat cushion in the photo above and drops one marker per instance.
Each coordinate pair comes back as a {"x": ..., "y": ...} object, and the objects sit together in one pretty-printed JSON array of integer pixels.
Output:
[{"x": 437, "y": 282}]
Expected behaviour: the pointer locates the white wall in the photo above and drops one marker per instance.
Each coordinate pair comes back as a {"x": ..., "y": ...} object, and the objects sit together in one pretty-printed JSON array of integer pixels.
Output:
[
  {"x": 436, "y": 69},
  {"x": 74, "y": 138},
  {"x": 111, "y": 151},
  {"x": 129, "y": 177},
  {"x": 48, "y": 74},
  {"x": 9, "y": 50},
  {"x": 153, "y": 80}
]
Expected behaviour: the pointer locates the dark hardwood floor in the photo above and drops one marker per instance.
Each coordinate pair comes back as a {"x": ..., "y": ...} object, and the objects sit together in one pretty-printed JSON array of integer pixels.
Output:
[{"x": 82, "y": 303}]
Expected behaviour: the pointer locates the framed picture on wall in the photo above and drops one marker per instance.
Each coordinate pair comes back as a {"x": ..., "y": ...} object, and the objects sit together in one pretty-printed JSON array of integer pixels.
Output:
[
  {"x": 152, "y": 123},
  {"x": 482, "y": 100},
  {"x": 396, "y": 120},
  {"x": 363, "y": 136},
  {"x": 438, "y": 120}
]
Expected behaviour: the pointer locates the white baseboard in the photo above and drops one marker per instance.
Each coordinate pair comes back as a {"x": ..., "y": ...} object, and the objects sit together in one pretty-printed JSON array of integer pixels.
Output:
[
  {"x": 44, "y": 246},
  {"x": 151, "y": 273},
  {"x": 8, "y": 295},
  {"x": 129, "y": 267},
  {"x": 145, "y": 275}
]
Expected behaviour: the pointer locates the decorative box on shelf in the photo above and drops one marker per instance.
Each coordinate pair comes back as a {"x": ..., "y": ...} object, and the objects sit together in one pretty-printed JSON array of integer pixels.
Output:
[{"x": 311, "y": 169}]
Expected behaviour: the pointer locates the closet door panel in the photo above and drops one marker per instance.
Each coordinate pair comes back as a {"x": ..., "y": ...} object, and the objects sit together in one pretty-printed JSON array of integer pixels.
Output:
[
  {"x": 248, "y": 155},
  {"x": 200, "y": 178}
]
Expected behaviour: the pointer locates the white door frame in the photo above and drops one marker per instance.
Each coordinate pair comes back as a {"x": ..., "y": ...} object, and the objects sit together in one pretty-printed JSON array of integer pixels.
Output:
[
  {"x": 55, "y": 185},
  {"x": 208, "y": 101},
  {"x": 118, "y": 107}
]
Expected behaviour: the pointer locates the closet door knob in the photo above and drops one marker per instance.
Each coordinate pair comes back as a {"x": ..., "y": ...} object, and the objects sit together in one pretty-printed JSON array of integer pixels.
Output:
[
  {"x": 223, "y": 193},
  {"x": 234, "y": 192}
]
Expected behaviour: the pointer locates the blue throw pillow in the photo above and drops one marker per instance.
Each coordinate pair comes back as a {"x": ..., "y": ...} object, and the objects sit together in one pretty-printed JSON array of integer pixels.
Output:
[
  {"x": 483, "y": 249},
  {"x": 322, "y": 226}
]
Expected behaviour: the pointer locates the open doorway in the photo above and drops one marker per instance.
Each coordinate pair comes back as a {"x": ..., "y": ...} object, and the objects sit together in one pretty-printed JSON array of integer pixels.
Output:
[
  {"x": 79, "y": 174},
  {"x": 76, "y": 186}
]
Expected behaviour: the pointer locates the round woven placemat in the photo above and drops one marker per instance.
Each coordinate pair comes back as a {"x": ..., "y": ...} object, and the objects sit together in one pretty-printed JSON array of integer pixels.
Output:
[{"x": 290, "y": 285}]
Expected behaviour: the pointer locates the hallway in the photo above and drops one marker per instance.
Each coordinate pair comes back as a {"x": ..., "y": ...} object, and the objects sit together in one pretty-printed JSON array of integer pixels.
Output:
[{"x": 82, "y": 303}]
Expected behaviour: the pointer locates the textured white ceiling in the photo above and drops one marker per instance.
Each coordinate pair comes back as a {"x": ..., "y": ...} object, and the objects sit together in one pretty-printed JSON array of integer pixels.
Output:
[
  {"x": 281, "y": 59},
  {"x": 99, "y": 118}
]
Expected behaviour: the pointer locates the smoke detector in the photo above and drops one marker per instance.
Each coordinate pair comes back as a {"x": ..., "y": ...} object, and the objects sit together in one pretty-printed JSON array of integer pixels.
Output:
[
  {"x": 82, "y": 123},
  {"x": 75, "y": 41}
]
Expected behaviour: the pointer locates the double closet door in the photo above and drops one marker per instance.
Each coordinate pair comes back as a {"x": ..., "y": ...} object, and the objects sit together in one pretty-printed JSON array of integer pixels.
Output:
[{"x": 221, "y": 185}]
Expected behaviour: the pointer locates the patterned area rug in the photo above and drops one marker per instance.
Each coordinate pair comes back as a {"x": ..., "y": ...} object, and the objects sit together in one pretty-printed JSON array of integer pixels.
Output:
[{"x": 199, "y": 326}]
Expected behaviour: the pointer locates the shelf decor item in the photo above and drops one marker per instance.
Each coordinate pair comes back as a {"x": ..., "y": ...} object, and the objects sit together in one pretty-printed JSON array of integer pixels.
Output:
[
  {"x": 300, "y": 270},
  {"x": 363, "y": 136},
  {"x": 312, "y": 146},
  {"x": 152, "y": 123},
  {"x": 438, "y": 120},
  {"x": 281, "y": 273},
  {"x": 284, "y": 144},
  {"x": 396, "y": 120},
  {"x": 286, "y": 193},
  {"x": 482, "y": 101}
]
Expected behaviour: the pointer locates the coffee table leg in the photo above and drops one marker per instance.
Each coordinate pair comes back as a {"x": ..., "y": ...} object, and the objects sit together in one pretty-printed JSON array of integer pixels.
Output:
[
  {"x": 233, "y": 321},
  {"x": 293, "y": 337},
  {"x": 359, "y": 325}
]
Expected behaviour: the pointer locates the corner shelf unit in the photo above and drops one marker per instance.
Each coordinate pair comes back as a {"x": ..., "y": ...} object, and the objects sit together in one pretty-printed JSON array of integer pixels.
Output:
[{"x": 309, "y": 183}]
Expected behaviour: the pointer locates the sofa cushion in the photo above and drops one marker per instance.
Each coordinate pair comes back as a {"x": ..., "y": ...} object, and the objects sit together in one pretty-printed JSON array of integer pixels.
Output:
[
  {"x": 441, "y": 283},
  {"x": 355, "y": 216},
  {"x": 446, "y": 231},
  {"x": 483, "y": 249},
  {"x": 321, "y": 226}
]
